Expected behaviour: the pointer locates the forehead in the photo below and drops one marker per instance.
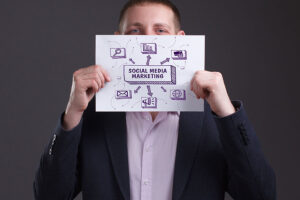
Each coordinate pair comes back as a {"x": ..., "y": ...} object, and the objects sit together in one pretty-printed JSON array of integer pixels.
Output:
[{"x": 148, "y": 14}]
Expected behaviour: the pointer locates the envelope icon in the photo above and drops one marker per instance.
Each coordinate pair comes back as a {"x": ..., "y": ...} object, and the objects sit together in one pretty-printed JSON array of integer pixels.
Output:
[{"x": 123, "y": 94}]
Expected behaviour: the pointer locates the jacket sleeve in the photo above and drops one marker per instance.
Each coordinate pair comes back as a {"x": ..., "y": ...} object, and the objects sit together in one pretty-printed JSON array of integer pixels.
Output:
[
  {"x": 57, "y": 176},
  {"x": 249, "y": 174}
]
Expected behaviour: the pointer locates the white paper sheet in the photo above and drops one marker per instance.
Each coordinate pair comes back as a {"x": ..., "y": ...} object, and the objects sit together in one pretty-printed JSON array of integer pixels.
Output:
[{"x": 149, "y": 73}]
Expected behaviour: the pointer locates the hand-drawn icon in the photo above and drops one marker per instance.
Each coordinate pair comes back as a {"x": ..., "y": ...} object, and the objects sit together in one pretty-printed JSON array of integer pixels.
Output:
[
  {"x": 179, "y": 54},
  {"x": 117, "y": 53},
  {"x": 148, "y": 48},
  {"x": 130, "y": 59},
  {"x": 149, "y": 90},
  {"x": 177, "y": 94},
  {"x": 149, "y": 102},
  {"x": 123, "y": 94},
  {"x": 137, "y": 89},
  {"x": 163, "y": 89},
  {"x": 165, "y": 61},
  {"x": 148, "y": 60}
]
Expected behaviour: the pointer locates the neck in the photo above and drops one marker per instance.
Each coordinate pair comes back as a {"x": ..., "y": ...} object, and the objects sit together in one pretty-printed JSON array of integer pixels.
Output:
[{"x": 153, "y": 115}]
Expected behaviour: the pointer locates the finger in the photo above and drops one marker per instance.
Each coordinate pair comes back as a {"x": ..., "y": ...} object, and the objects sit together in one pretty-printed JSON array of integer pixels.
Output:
[
  {"x": 92, "y": 76},
  {"x": 91, "y": 83},
  {"x": 106, "y": 75},
  {"x": 192, "y": 83},
  {"x": 92, "y": 68},
  {"x": 197, "y": 75},
  {"x": 198, "y": 89},
  {"x": 195, "y": 90},
  {"x": 95, "y": 86},
  {"x": 201, "y": 94},
  {"x": 100, "y": 75},
  {"x": 193, "y": 86}
]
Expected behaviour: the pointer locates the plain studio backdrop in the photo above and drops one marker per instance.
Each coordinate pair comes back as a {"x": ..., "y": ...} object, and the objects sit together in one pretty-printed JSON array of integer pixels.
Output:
[{"x": 252, "y": 43}]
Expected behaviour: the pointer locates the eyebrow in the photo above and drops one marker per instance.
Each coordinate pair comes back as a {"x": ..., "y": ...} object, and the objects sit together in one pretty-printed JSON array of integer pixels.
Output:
[
  {"x": 138, "y": 24},
  {"x": 135, "y": 24},
  {"x": 161, "y": 25}
]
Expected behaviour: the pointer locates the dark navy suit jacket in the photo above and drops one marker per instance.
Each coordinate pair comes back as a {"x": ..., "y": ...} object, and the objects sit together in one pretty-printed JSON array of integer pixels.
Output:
[{"x": 214, "y": 155}]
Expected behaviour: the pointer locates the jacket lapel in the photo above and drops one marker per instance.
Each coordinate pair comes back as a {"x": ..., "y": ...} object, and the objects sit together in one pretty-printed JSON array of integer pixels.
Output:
[
  {"x": 189, "y": 135},
  {"x": 117, "y": 145}
]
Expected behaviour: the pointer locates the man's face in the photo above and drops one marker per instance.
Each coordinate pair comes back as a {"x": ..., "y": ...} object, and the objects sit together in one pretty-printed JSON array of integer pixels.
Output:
[{"x": 149, "y": 19}]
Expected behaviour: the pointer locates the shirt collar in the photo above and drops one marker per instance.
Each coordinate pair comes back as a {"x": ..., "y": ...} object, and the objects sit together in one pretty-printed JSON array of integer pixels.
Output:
[{"x": 145, "y": 115}]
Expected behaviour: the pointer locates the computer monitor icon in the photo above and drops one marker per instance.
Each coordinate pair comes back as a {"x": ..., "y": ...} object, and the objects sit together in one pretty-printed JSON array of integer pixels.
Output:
[
  {"x": 117, "y": 53},
  {"x": 148, "y": 48},
  {"x": 179, "y": 54}
]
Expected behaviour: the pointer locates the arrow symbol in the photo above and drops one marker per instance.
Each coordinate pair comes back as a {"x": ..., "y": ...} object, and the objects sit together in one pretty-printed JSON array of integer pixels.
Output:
[
  {"x": 165, "y": 61},
  {"x": 163, "y": 89},
  {"x": 148, "y": 59},
  {"x": 131, "y": 61},
  {"x": 149, "y": 91},
  {"x": 137, "y": 89}
]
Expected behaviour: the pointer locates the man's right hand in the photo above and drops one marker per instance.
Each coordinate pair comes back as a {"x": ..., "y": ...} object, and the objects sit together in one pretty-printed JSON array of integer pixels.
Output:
[{"x": 86, "y": 82}]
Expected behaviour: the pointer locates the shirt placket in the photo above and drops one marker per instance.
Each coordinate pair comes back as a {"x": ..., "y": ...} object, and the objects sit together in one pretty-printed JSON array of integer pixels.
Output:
[{"x": 147, "y": 163}]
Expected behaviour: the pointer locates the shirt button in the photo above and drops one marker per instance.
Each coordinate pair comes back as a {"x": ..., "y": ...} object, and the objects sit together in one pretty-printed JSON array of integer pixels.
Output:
[
  {"x": 146, "y": 182},
  {"x": 148, "y": 148}
]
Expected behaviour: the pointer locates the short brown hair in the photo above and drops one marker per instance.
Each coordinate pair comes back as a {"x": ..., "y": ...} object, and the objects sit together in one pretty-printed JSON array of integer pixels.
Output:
[{"x": 167, "y": 3}]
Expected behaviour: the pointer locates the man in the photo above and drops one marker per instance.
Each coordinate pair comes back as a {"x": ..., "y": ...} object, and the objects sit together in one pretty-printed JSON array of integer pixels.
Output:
[{"x": 159, "y": 156}]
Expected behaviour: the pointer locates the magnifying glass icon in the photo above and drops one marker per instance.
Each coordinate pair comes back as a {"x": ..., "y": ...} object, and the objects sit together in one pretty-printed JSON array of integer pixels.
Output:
[{"x": 117, "y": 51}]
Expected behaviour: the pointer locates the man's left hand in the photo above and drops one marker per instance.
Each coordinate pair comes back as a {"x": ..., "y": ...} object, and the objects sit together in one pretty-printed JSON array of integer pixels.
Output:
[{"x": 210, "y": 86}]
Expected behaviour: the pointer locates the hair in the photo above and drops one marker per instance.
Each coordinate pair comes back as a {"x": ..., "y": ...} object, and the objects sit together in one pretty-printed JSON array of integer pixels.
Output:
[{"x": 167, "y": 3}]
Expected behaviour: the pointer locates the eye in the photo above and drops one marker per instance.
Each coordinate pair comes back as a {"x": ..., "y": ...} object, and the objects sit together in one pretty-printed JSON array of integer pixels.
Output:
[
  {"x": 134, "y": 31},
  {"x": 161, "y": 31}
]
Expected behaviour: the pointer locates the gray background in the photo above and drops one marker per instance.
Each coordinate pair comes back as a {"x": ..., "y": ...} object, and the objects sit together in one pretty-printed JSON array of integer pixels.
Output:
[{"x": 253, "y": 43}]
